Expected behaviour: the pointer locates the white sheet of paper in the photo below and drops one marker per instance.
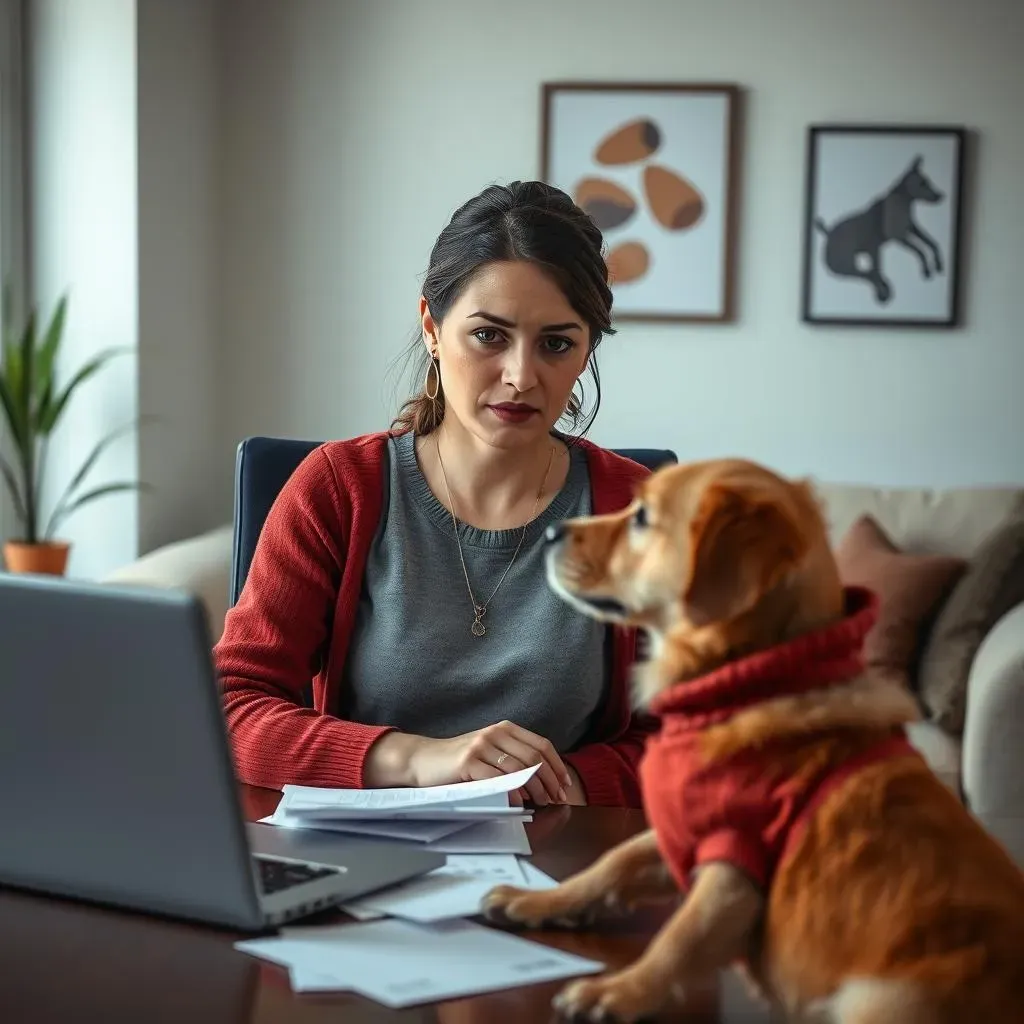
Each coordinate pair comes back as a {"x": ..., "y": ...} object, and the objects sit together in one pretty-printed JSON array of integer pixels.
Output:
[
  {"x": 486, "y": 837},
  {"x": 454, "y": 890},
  {"x": 413, "y": 831},
  {"x": 535, "y": 878},
  {"x": 479, "y": 837},
  {"x": 400, "y": 964},
  {"x": 463, "y": 797}
]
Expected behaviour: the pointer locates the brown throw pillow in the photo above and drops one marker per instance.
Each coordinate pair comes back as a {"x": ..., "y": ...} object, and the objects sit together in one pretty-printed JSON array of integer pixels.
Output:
[
  {"x": 992, "y": 585},
  {"x": 910, "y": 589}
]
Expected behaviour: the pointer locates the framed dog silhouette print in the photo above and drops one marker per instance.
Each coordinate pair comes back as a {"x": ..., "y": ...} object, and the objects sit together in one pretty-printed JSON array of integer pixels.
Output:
[
  {"x": 882, "y": 225},
  {"x": 655, "y": 167}
]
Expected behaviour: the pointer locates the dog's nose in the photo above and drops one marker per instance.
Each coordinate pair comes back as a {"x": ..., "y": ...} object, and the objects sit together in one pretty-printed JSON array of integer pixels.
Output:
[{"x": 554, "y": 533}]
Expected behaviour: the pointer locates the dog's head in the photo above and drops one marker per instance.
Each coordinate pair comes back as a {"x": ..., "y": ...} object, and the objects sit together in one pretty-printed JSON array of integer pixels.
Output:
[
  {"x": 721, "y": 545},
  {"x": 919, "y": 186}
]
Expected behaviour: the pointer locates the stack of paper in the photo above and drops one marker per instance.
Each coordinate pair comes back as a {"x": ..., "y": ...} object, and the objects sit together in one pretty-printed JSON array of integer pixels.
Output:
[
  {"x": 400, "y": 963},
  {"x": 465, "y": 817},
  {"x": 422, "y": 951}
]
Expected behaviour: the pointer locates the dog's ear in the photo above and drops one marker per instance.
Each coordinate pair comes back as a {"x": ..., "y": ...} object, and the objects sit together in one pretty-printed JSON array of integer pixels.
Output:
[{"x": 741, "y": 546}]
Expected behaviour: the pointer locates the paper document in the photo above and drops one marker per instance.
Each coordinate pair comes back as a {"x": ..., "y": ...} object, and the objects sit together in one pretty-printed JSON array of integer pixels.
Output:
[
  {"x": 454, "y": 890},
  {"x": 413, "y": 831},
  {"x": 486, "y": 797},
  {"x": 502, "y": 836},
  {"x": 485, "y": 837},
  {"x": 398, "y": 963},
  {"x": 361, "y": 910}
]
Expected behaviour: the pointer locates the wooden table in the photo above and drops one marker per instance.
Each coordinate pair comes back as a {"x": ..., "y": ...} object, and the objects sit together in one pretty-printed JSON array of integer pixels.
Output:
[{"x": 65, "y": 962}]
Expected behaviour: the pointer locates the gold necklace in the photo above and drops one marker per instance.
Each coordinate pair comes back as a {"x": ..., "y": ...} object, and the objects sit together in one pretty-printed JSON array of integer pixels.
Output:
[{"x": 479, "y": 610}]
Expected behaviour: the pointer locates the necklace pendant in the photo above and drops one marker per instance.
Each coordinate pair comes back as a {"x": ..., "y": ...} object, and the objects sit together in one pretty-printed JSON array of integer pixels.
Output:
[{"x": 478, "y": 628}]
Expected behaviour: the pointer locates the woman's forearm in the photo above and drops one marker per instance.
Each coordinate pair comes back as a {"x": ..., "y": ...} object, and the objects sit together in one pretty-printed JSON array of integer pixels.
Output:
[{"x": 389, "y": 762}]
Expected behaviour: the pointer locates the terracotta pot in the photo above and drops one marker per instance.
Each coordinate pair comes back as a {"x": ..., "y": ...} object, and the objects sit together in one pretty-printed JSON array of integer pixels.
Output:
[{"x": 50, "y": 558}]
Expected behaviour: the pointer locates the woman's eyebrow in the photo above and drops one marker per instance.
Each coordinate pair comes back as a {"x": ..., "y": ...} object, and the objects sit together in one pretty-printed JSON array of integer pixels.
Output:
[{"x": 570, "y": 325}]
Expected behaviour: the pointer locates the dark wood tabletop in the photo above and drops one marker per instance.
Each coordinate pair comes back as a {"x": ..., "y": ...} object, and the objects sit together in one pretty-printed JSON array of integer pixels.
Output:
[{"x": 62, "y": 961}]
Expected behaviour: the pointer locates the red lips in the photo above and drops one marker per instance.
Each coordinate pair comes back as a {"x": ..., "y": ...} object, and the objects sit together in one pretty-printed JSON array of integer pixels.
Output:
[{"x": 513, "y": 412}]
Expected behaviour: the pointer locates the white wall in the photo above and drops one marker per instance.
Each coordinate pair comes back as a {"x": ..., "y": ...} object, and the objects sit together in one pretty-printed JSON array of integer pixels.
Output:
[
  {"x": 353, "y": 129},
  {"x": 12, "y": 218},
  {"x": 182, "y": 455},
  {"x": 83, "y": 213},
  {"x": 125, "y": 215}
]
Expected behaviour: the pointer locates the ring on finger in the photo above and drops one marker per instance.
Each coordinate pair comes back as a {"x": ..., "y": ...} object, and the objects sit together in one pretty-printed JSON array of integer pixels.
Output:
[{"x": 501, "y": 758}]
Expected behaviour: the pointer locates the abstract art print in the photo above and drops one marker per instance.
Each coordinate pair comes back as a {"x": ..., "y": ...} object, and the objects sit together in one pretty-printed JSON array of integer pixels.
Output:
[
  {"x": 654, "y": 165},
  {"x": 882, "y": 225}
]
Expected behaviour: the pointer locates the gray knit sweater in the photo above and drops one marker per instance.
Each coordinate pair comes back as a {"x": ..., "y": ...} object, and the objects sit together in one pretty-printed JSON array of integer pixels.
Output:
[{"x": 413, "y": 662}]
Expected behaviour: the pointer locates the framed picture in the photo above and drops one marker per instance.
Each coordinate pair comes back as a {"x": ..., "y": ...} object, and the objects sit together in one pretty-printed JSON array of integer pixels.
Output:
[
  {"x": 655, "y": 166},
  {"x": 882, "y": 225}
]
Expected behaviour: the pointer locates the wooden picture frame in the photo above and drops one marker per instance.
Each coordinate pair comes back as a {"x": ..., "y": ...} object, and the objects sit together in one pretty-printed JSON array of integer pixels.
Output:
[
  {"x": 883, "y": 225},
  {"x": 656, "y": 165}
]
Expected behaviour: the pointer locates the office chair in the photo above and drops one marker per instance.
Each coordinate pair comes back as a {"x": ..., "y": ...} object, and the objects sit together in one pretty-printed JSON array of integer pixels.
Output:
[{"x": 263, "y": 466}]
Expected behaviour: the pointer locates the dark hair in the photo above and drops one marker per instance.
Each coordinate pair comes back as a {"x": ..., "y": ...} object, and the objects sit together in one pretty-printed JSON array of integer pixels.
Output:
[{"x": 525, "y": 220}]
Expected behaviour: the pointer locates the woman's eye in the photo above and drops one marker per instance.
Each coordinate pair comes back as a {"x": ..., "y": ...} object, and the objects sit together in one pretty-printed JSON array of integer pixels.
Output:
[
  {"x": 486, "y": 335},
  {"x": 640, "y": 517},
  {"x": 558, "y": 345}
]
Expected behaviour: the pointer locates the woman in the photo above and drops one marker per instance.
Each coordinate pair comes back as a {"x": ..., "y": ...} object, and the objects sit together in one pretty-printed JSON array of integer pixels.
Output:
[{"x": 404, "y": 571}]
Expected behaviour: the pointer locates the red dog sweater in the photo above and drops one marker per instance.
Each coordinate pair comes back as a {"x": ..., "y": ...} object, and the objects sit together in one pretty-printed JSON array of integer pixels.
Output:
[{"x": 736, "y": 809}]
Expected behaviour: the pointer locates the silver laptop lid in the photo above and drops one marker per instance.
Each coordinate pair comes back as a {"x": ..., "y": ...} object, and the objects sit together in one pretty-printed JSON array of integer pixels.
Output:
[{"x": 118, "y": 783}]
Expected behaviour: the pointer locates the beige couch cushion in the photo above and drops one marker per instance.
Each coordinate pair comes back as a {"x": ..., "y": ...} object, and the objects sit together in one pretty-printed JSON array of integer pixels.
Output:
[
  {"x": 944, "y": 753},
  {"x": 200, "y": 565},
  {"x": 950, "y": 522},
  {"x": 992, "y": 585}
]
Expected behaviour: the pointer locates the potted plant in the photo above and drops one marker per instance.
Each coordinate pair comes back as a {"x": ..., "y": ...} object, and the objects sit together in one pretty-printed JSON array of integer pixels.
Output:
[{"x": 32, "y": 404}]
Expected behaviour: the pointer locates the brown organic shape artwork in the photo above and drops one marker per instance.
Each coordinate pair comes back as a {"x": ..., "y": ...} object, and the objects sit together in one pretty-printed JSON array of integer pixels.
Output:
[
  {"x": 609, "y": 205},
  {"x": 675, "y": 202},
  {"x": 636, "y": 140},
  {"x": 628, "y": 262}
]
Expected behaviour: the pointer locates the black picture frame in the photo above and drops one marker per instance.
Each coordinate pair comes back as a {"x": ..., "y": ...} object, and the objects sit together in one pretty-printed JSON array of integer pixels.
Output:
[{"x": 883, "y": 225}]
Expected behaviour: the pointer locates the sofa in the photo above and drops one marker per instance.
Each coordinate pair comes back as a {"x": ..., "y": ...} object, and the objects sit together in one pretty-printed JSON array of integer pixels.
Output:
[{"x": 976, "y": 743}]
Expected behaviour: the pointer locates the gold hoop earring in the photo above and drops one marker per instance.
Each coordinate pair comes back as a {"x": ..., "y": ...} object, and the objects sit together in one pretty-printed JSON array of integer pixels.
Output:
[{"x": 437, "y": 380}]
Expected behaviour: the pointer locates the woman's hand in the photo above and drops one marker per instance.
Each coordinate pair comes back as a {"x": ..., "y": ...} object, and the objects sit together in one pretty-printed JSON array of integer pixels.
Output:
[{"x": 498, "y": 749}]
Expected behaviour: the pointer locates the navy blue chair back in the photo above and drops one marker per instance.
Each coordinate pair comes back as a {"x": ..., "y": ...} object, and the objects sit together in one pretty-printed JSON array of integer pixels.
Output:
[{"x": 263, "y": 466}]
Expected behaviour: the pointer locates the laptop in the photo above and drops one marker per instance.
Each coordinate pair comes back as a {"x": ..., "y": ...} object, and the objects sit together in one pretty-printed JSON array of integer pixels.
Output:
[{"x": 118, "y": 782}]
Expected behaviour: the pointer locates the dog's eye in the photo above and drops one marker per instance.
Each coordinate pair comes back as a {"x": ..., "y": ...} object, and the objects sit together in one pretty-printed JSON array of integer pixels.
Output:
[{"x": 640, "y": 517}]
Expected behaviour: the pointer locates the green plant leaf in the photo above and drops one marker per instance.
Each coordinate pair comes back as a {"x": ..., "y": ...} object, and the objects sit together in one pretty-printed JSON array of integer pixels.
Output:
[
  {"x": 55, "y": 409},
  {"x": 46, "y": 354},
  {"x": 12, "y": 486},
  {"x": 59, "y": 515},
  {"x": 14, "y": 373},
  {"x": 28, "y": 358},
  {"x": 12, "y": 413},
  {"x": 90, "y": 461}
]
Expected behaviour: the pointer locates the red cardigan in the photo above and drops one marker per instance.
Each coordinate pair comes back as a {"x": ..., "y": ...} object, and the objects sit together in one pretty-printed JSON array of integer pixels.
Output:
[{"x": 295, "y": 615}]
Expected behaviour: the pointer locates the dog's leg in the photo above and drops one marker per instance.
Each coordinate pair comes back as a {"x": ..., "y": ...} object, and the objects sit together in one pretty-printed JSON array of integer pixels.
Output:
[
  {"x": 908, "y": 242},
  {"x": 630, "y": 874},
  {"x": 883, "y": 290},
  {"x": 930, "y": 242},
  {"x": 708, "y": 932}
]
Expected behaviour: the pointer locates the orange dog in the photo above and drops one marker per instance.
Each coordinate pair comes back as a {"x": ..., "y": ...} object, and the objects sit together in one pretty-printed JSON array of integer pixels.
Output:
[{"x": 813, "y": 845}]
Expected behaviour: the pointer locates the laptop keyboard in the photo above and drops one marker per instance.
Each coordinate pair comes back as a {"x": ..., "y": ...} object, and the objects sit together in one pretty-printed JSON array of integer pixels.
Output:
[{"x": 276, "y": 875}]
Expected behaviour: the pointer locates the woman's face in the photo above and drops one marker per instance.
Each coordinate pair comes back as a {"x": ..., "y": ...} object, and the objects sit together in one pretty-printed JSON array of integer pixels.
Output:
[{"x": 510, "y": 351}]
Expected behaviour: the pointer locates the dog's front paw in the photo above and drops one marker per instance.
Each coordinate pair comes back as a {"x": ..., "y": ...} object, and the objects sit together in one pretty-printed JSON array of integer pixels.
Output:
[
  {"x": 524, "y": 908},
  {"x": 622, "y": 998}
]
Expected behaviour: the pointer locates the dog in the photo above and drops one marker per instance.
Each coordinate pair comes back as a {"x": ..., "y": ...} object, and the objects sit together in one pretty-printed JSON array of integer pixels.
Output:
[
  {"x": 803, "y": 839},
  {"x": 890, "y": 218}
]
